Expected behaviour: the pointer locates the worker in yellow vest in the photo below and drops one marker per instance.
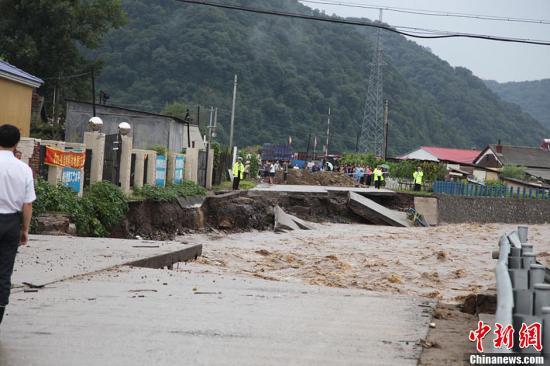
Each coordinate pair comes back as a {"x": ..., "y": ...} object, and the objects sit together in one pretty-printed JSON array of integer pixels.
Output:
[
  {"x": 378, "y": 177},
  {"x": 238, "y": 173},
  {"x": 418, "y": 176}
]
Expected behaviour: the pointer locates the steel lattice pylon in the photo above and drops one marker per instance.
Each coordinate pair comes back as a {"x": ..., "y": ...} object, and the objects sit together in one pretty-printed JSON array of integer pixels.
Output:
[{"x": 372, "y": 128}]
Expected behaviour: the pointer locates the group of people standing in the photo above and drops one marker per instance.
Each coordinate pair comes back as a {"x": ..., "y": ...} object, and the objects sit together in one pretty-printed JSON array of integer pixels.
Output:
[
  {"x": 270, "y": 168},
  {"x": 366, "y": 175},
  {"x": 267, "y": 171}
]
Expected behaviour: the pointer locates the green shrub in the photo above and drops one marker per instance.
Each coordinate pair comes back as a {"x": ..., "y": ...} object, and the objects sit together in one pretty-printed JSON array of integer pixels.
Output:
[
  {"x": 171, "y": 192},
  {"x": 513, "y": 171},
  {"x": 404, "y": 169},
  {"x": 362, "y": 159},
  {"x": 107, "y": 204},
  {"x": 50, "y": 198},
  {"x": 249, "y": 155},
  {"x": 102, "y": 207},
  {"x": 159, "y": 149}
]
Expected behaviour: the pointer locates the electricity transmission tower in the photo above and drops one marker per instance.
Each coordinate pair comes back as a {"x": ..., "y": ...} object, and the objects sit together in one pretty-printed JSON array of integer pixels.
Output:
[{"x": 372, "y": 128}]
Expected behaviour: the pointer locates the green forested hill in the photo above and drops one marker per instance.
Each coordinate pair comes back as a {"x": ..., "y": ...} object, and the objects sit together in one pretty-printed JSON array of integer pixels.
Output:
[
  {"x": 290, "y": 72},
  {"x": 532, "y": 96}
]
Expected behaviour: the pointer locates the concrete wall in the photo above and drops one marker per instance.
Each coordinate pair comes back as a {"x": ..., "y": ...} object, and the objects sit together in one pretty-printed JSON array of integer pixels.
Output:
[
  {"x": 191, "y": 165},
  {"x": 456, "y": 209},
  {"x": 427, "y": 207},
  {"x": 95, "y": 141},
  {"x": 15, "y": 105},
  {"x": 147, "y": 129}
]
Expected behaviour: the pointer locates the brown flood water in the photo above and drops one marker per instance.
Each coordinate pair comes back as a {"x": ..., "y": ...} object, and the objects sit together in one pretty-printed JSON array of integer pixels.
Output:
[{"x": 446, "y": 262}]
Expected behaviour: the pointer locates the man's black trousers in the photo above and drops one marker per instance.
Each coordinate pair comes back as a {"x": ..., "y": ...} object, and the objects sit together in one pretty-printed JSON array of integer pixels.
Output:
[
  {"x": 10, "y": 231},
  {"x": 236, "y": 181}
]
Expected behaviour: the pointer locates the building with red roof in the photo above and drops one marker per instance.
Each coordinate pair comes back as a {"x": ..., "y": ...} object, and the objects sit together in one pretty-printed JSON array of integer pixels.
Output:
[{"x": 442, "y": 154}]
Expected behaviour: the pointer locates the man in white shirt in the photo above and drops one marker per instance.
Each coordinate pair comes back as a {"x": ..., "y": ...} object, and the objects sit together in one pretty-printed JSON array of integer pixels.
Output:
[{"x": 16, "y": 198}]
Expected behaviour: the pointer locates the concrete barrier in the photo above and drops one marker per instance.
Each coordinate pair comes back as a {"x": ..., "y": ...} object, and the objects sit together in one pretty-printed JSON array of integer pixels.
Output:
[{"x": 523, "y": 293}]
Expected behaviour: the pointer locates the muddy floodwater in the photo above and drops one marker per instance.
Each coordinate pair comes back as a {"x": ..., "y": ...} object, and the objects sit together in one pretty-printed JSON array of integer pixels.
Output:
[{"x": 446, "y": 262}]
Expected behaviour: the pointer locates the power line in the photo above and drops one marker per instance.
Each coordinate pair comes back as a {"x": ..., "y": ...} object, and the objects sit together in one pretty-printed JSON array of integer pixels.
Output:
[
  {"x": 430, "y": 12},
  {"x": 364, "y": 24},
  {"x": 65, "y": 77}
]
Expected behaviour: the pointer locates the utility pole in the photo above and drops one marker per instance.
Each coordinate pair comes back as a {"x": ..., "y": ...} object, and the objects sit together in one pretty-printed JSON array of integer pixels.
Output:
[
  {"x": 198, "y": 115},
  {"x": 93, "y": 92},
  {"x": 314, "y": 147},
  {"x": 210, "y": 126},
  {"x": 328, "y": 133},
  {"x": 233, "y": 113},
  {"x": 54, "y": 101},
  {"x": 308, "y": 142},
  {"x": 372, "y": 130},
  {"x": 213, "y": 132},
  {"x": 386, "y": 129}
]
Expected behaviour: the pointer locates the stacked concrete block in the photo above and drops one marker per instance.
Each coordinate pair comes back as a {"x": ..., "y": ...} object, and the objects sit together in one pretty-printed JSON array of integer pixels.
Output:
[{"x": 526, "y": 280}]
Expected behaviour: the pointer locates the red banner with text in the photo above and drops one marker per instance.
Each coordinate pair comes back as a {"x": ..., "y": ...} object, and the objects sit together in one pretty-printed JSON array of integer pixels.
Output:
[{"x": 65, "y": 159}]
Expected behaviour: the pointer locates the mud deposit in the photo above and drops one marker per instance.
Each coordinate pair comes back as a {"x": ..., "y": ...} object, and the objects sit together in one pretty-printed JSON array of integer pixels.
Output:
[
  {"x": 448, "y": 263},
  {"x": 159, "y": 220},
  {"x": 304, "y": 177}
]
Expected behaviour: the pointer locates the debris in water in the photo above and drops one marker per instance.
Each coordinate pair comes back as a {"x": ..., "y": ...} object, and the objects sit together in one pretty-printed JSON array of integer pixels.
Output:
[{"x": 394, "y": 278}]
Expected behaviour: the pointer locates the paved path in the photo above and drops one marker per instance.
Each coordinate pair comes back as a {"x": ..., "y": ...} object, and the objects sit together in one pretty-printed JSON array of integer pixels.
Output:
[
  {"x": 263, "y": 187},
  {"x": 194, "y": 315},
  {"x": 52, "y": 258},
  {"x": 161, "y": 317}
]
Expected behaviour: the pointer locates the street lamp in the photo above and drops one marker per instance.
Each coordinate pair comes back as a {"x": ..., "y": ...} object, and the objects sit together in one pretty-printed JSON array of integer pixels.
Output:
[
  {"x": 95, "y": 123},
  {"x": 124, "y": 128}
]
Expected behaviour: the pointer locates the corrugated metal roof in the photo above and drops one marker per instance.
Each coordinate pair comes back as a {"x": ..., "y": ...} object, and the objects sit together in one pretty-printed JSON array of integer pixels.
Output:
[
  {"x": 530, "y": 157},
  {"x": 539, "y": 173},
  {"x": 7, "y": 68}
]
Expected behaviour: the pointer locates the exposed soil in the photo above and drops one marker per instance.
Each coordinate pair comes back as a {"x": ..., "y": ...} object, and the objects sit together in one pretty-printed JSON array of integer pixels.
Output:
[
  {"x": 232, "y": 212},
  {"x": 305, "y": 177},
  {"x": 159, "y": 220},
  {"x": 238, "y": 213},
  {"x": 320, "y": 208},
  {"x": 447, "y": 343}
]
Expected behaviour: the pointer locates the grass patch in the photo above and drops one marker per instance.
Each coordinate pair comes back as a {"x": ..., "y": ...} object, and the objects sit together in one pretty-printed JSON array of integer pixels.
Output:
[
  {"x": 415, "y": 193},
  {"x": 168, "y": 193},
  {"x": 227, "y": 185}
]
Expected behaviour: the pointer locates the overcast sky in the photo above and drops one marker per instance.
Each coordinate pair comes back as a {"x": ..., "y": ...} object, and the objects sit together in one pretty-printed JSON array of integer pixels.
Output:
[{"x": 499, "y": 61}]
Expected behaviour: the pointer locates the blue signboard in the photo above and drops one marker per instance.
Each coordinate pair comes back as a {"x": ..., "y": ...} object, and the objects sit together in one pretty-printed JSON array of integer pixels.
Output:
[
  {"x": 160, "y": 180},
  {"x": 179, "y": 169},
  {"x": 71, "y": 178}
]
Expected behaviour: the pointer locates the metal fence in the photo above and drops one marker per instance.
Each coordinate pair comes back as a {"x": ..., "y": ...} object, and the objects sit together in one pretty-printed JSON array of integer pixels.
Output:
[
  {"x": 523, "y": 291},
  {"x": 475, "y": 190}
]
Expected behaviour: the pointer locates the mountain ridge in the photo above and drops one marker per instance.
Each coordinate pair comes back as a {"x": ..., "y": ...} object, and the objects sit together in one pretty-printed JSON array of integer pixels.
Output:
[
  {"x": 532, "y": 96},
  {"x": 290, "y": 72}
]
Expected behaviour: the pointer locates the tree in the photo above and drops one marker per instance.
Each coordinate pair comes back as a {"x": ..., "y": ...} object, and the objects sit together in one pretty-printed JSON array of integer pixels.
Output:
[
  {"x": 177, "y": 109},
  {"x": 45, "y": 38},
  {"x": 513, "y": 171}
]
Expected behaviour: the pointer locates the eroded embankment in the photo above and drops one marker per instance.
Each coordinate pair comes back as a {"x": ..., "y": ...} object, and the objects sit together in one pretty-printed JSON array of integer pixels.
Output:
[{"x": 240, "y": 211}]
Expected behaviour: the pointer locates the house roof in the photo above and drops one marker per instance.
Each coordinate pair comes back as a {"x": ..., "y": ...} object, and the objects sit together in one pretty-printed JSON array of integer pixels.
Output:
[
  {"x": 529, "y": 157},
  {"x": 11, "y": 72},
  {"x": 525, "y": 182},
  {"x": 539, "y": 173},
  {"x": 455, "y": 155},
  {"x": 463, "y": 156}
]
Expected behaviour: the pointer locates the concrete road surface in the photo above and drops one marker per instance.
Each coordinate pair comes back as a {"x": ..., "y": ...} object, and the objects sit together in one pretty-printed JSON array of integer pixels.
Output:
[
  {"x": 48, "y": 259},
  {"x": 134, "y": 316},
  {"x": 264, "y": 187}
]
